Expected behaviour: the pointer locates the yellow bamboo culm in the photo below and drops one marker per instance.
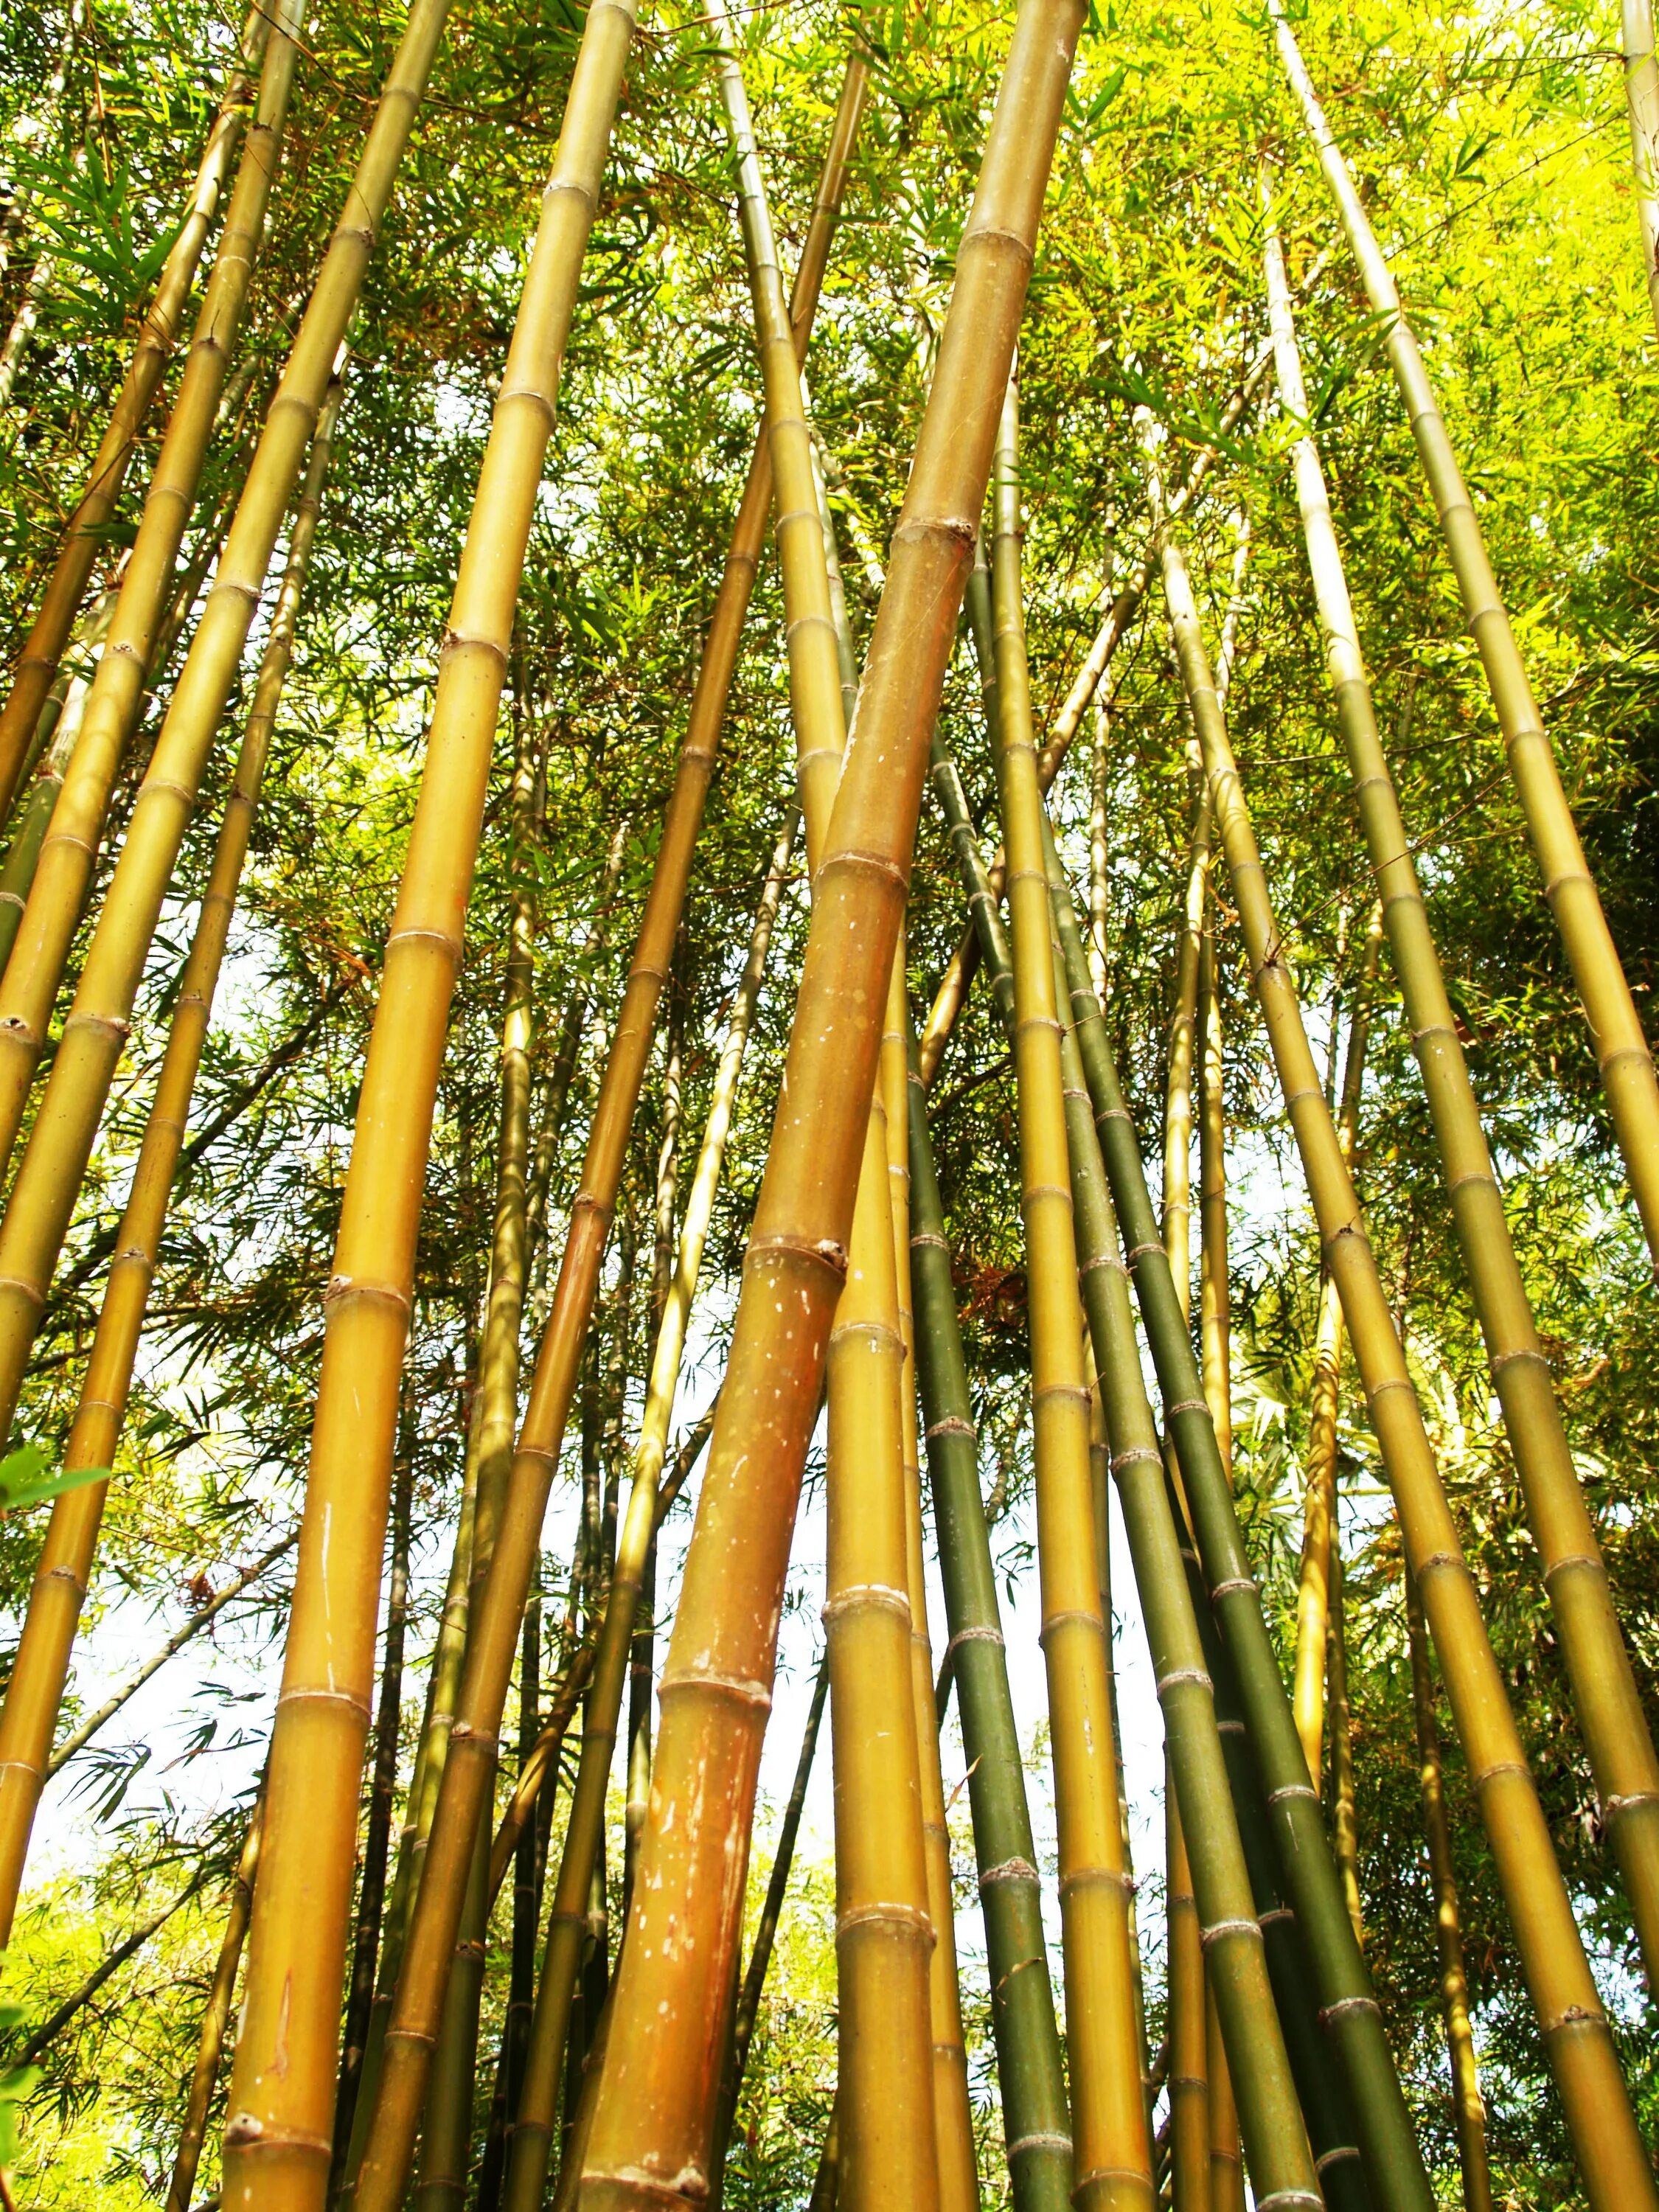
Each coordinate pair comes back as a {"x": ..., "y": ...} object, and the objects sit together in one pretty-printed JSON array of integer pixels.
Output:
[
  {"x": 95, "y": 1031},
  {"x": 88, "y": 525},
  {"x": 1611, "y": 2154},
  {"x": 277, "y": 2138},
  {"x": 1610, "y": 1707},
  {"x": 1621, "y": 1048},
  {"x": 1111, "y": 2152},
  {"x": 653, "y": 2119},
  {"x": 1642, "y": 97},
  {"x": 35, "y": 1692}
]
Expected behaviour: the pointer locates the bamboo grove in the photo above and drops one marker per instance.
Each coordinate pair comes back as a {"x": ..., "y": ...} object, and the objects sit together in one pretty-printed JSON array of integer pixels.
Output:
[{"x": 828, "y": 1169}]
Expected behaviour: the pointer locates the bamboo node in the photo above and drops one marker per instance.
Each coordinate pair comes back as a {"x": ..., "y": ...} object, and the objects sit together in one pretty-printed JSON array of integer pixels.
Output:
[
  {"x": 1022, "y": 2144},
  {"x": 823, "y": 1251},
  {"x": 1288, "y": 2196},
  {"x": 862, "y": 1594},
  {"x": 1187, "y": 1405},
  {"x": 1219, "y": 1930},
  {"x": 1104, "y": 1260},
  {"x": 1137, "y": 1455},
  {"x": 742, "y": 1689},
  {"x": 1292, "y": 1790},
  {"x": 1091, "y": 1877},
  {"x": 1335, "y": 2156},
  {"x": 1528, "y": 1352},
  {"x": 1334, "y": 2014},
  {"x": 1015, "y": 1870},
  {"x": 349, "y": 1286},
  {"x": 929, "y": 1240},
  {"x": 1274, "y": 1912},
  {"x": 1179, "y": 1676},
  {"x": 1141, "y": 1251},
  {"x": 975, "y": 1633},
  {"x": 875, "y": 1913},
  {"x": 1630, "y": 1803},
  {"x": 953, "y": 1424},
  {"x": 1077, "y": 1617},
  {"x": 1576, "y": 2016},
  {"x": 1076, "y": 1391},
  {"x": 1234, "y": 1582}
]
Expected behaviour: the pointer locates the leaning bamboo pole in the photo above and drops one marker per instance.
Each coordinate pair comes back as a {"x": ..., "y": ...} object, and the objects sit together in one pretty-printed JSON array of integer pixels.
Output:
[
  {"x": 1111, "y": 2153},
  {"x": 94, "y": 1031},
  {"x": 1344, "y": 1804},
  {"x": 35, "y": 1691},
  {"x": 215, "y": 2018},
  {"x": 1610, "y": 2150},
  {"x": 654, "y": 2118},
  {"x": 88, "y": 524},
  {"x": 1468, "y": 2108},
  {"x": 1642, "y": 98},
  {"x": 1610, "y": 1710},
  {"x": 1621, "y": 1049},
  {"x": 532, "y": 2123}
]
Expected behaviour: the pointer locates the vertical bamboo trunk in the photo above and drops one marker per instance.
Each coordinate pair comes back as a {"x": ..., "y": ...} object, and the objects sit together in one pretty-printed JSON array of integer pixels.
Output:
[
  {"x": 277, "y": 2144},
  {"x": 1641, "y": 96},
  {"x": 1344, "y": 1830},
  {"x": 1035, "y": 2117},
  {"x": 1609, "y": 1709},
  {"x": 89, "y": 523},
  {"x": 216, "y": 2019},
  {"x": 1468, "y": 2109},
  {"x": 1621, "y": 1049},
  {"x": 653, "y": 2123},
  {"x": 1100, "y": 850},
  {"x": 1611, "y": 2153},
  {"x": 94, "y": 1031},
  {"x": 35, "y": 1691},
  {"x": 1190, "y": 2084}
]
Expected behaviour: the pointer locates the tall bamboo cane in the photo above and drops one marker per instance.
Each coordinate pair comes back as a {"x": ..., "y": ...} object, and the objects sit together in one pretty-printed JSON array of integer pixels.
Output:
[
  {"x": 1642, "y": 97},
  {"x": 1344, "y": 1828},
  {"x": 1112, "y": 2155},
  {"x": 215, "y": 2018},
  {"x": 1621, "y": 1049},
  {"x": 277, "y": 2142},
  {"x": 1610, "y": 2150},
  {"x": 466, "y": 1778},
  {"x": 36, "y": 1688},
  {"x": 88, "y": 524},
  {"x": 1610, "y": 1712},
  {"x": 1468, "y": 2110},
  {"x": 94, "y": 1031},
  {"x": 654, "y": 2118}
]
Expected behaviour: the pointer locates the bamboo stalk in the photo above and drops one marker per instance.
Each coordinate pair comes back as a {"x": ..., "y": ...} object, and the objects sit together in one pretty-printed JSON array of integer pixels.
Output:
[
  {"x": 35, "y": 1691},
  {"x": 1609, "y": 1709},
  {"x": 1642, "y": 97},
  {"x": 94, "y": 1031},
  {"x": 526, "y": 1925},
  {"x": 1610, "y": 2149},
  {"x": 1344, "y": 1830},
  {"x": 215, "y": 2018},
  {"x": 1621, "y": 1049},
  {"x": 1468, "y": 2109},
  {"x": 1111, "y": 2154},
  {"x": 88, "y": 524},
  {"x": 653, "y": 2119},
  {"x": 1188, "y": 2078}
]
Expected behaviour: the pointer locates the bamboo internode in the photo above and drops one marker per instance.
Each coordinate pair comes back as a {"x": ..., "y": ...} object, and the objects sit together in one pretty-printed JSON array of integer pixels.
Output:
[{"x": 1642, "y": 97}]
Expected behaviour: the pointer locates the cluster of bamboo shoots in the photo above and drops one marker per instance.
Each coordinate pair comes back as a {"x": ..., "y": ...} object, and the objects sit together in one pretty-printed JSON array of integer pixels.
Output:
[{"x": 356, "y": 2064}]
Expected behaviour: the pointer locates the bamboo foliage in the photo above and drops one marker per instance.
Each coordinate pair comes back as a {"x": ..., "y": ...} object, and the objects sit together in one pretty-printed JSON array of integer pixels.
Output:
[
  {"x": 1621, "y": 1049},
  {"x": 1610, "y": 2150},
  {"x": 66, "y": 588},
  {"x": 35, "y": 1691},
  {"x": 1616, "y": 1733}
]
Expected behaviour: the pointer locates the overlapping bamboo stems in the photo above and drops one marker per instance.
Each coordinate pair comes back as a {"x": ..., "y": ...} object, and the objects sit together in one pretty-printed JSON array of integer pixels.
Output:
[
  {"x": 1611, "y": 2153},
  {"x": 532, "y": 2121},
  {"x": 215, "y": 2018},
  {"x": 87, "y": 531},
  {"x": 58, "y": 732},
  {"x": 35, "y": 1691},
  {"x": 1314, "y": 1582},
  {"x": 654, "y": 2118},
  {"x": 466, "y": 1781},
  {"x": 1642, "y": 97},
  {"x": 1468, "y": 2109},
  {"x": 1609, "y": 1710},
  {"x": 277, "y": 2145},
  {"x": 58, "y": 895},
  {"x": 94, "y": 1031},
  {"x": 1111, "y": 2151},
  {"x": 1621, "y": 1048}
]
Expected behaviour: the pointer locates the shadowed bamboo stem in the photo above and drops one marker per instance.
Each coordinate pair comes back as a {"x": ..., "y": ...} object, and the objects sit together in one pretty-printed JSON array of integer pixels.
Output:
[
  {"x": 215, "y": 2018},
  {"x": 1609, "y": 1709},
  {"x": 1621, "y": 1049},
  {"x": 1111, "y": 2153},
  {"x": 654, "y": 2121},
  {"x": 35, "y": 1691},
  {"x": 1468, "y": 2110},
  {"x": 94, "y": 1031},
  {"x": 88, "y": 525},
  {"x": 278, "y": 2139},
  {"x": 1642, "y": 97},
  {"x": 1611, "y": 2153},
  {"x": 1344, "y": 1829}
]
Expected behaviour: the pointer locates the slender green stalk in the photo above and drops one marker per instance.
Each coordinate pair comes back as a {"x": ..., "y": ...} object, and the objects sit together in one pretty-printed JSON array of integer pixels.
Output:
[
  {"x": 216, "y": 2019},
  {"x": 1344, "y": 1830}
]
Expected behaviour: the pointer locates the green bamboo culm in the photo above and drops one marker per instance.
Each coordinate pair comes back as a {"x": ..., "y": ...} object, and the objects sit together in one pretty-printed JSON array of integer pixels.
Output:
[
  {"x": 1387, "y": 2139},
  {"x": 1035, "y": 2121}
]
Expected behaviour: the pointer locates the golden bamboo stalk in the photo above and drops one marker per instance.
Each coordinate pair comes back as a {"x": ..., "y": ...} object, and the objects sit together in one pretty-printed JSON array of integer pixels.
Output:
[
  {"x": 88, "y": 524},
  {"x": 1642, "y": 97},
  {"x": 1111, "y": 2152},
  {"x": 94, "y": 1031},
  {"x": 1611, "y": 2153},
  {"x": 215, "y": 2018},
  {"x": 278, "y": 2140},
  {"x": 1345, "y": 1825},
  {"x": 654, "y": 2121},
  {"x": 1621, "y": 1048},
  {"x": 35, "y": 1692}
]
